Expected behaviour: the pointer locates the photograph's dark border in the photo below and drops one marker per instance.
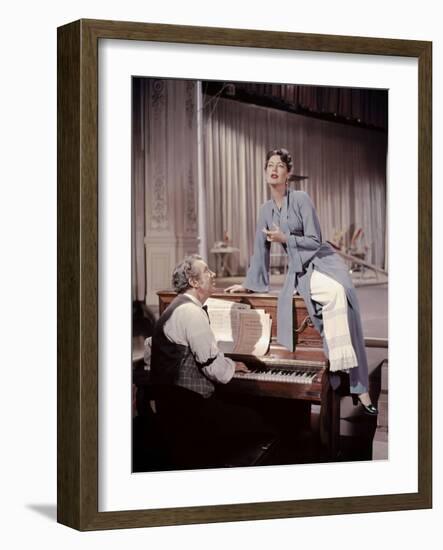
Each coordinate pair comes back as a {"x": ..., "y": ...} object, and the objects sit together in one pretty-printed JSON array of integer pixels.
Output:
[{"x": 77, "y": 315}]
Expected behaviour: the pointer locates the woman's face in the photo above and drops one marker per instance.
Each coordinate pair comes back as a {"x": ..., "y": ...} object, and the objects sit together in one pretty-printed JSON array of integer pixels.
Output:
[{"x": 276, "y": 171}]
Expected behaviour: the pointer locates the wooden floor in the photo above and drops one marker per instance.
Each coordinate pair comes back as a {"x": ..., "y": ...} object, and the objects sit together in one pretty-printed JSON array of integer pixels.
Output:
[{"x": 297, "y": 441}]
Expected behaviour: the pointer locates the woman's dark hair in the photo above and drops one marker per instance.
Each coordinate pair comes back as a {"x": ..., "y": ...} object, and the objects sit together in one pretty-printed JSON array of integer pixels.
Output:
[{"x": 284, "y": 156}]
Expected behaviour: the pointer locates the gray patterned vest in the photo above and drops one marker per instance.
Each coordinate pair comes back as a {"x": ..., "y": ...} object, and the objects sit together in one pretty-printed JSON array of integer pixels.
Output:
[{"x": 174, "y": 364}]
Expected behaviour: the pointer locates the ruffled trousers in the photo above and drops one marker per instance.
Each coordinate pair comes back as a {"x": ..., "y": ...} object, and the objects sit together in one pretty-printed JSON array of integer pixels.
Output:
[{"x": 332, "y": 297}]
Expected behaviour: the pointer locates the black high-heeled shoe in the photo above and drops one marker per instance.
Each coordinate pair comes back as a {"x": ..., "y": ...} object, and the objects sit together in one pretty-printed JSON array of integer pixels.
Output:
[{"x": 368, "y": 409}]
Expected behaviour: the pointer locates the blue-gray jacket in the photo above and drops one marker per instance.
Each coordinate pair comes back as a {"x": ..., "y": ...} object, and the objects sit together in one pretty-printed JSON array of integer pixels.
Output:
[{"x": 305, "y": 249}]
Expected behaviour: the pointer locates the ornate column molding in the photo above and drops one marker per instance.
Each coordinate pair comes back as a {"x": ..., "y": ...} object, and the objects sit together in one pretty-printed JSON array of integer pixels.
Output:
[{"x": 171, "y": 179}]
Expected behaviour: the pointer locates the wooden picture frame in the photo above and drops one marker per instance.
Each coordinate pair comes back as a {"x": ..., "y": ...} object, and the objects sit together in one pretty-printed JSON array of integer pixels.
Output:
[{"x": 77, "y": 385}]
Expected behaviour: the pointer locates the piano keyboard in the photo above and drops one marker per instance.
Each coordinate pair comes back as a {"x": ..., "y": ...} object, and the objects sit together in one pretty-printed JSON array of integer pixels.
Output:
[{"x": 275, "y": 374}]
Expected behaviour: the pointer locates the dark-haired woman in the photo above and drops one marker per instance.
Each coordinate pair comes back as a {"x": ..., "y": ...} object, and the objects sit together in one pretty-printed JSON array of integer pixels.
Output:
[{"x": 314, "y": 270}]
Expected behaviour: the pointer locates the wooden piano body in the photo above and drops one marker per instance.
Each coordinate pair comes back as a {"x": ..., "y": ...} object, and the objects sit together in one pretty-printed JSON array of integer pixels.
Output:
[{"x": 301, "y": 375}]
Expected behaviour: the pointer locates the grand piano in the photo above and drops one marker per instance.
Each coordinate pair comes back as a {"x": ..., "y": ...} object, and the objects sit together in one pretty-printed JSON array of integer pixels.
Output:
[{"x": 299, "y": 375}]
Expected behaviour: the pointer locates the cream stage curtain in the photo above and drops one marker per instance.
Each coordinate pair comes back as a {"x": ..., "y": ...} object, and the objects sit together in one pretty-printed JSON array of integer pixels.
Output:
[{"x": 346, "y": 167}]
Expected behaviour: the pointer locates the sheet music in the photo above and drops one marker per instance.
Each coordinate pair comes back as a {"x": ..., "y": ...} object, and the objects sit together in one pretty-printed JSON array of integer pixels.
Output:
[
  {"x": 225, "y": 325},
  {"x": 228, "y": 305},
  {"x": 254, "y": 333},
  {"x": 238, "y": 328}
]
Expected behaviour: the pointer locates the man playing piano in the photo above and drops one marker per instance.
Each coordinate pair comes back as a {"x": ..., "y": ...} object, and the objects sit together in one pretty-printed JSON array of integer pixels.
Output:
[{"x": 186, "y": 365}]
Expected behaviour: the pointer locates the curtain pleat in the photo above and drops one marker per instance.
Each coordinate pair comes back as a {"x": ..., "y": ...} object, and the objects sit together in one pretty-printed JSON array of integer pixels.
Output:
[{"x": 138, "y": 192}]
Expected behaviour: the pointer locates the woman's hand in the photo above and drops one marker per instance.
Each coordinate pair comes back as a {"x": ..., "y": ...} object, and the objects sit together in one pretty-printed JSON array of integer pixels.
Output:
[
  {"x": 275, "y": 235},
  {"x": 235, "y": 288}
]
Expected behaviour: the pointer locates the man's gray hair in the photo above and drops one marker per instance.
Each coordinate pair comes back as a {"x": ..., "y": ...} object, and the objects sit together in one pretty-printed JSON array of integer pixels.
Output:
[{"x": 184, "y": 272}]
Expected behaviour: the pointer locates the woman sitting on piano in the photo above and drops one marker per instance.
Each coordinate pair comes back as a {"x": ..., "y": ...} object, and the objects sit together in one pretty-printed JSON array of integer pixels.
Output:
[{"x": 315, "y": 271}]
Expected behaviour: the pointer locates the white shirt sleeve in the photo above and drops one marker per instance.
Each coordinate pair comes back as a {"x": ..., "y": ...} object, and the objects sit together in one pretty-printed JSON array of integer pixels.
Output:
[{"x": 189, "y": 326}]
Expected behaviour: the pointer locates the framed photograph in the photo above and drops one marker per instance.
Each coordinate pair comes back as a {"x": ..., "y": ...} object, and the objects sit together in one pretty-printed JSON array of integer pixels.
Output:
[{"x": 165, "y": 138}]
